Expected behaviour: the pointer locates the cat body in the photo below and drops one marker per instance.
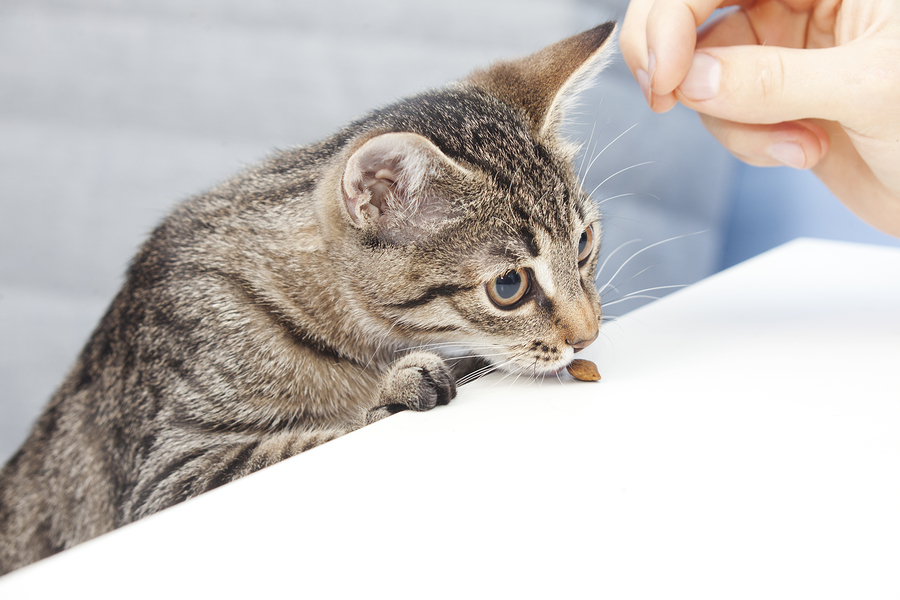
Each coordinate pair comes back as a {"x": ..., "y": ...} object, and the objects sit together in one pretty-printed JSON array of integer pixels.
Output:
[{"x": 297, "y": 301}]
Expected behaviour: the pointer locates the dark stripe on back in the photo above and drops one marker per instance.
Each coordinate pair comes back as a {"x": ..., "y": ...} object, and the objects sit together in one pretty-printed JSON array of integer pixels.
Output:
[
  {"x": 44, "y": 539},
  {"x": 172, "y": 469},
  {"x": 314, "y": 440},
  {"x": 237, "y": 464}
]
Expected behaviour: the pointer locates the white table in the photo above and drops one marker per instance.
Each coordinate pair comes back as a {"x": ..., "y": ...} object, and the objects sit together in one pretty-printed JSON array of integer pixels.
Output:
[{"x": 744, "y": 443}]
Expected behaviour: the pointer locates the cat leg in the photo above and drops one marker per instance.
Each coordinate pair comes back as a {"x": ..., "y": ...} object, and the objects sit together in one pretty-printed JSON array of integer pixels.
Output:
[{"x": 418, "y": 381}]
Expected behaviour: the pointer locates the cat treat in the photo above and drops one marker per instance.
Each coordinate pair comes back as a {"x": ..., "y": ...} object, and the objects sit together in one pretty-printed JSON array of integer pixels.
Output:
[{"x": 583, "y": 370}]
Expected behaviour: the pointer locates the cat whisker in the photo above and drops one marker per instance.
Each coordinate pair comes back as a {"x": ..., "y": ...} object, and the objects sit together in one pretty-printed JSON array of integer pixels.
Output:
[
  {"x": 585, "y": 154},
  {"x": 615, "y": 288},
  {"x": 619, "y": 172},
  {"x": 484, "y": 355},
  {"x": 487, "y": 357},
  {"x": 516, "y": 380},
  {"x": 591, "y": 138},
  {"x": 651, "y": 289},
  {"x": 644, "y": 249},
  {"x": 445, "y": 345},
  {"x": 507, "y": 376},
  {"x": 478, "y": 373},
  {"x": 490, "y": 369},
  {"x": 610, "y": 255},
  {"x": 618, "y": 137},
  {"x": 629, "y": 194},
  {"x": 636, "y": 296},
  {"x": 604, "y": 150},
  {"x": 378, "y": 347}
]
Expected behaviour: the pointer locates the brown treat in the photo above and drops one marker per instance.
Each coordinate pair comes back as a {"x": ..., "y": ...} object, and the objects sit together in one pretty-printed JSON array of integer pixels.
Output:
[{"x": 583, "y": 370}]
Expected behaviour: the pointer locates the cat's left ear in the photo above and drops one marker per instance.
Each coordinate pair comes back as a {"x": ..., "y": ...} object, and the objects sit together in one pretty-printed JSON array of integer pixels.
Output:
[
  {"x": 390, "y": 183},
  {"x": 543, "y": 82}
]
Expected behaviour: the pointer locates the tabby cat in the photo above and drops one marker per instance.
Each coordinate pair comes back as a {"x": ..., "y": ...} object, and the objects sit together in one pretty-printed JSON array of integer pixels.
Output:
[{"x": 297, "y": 302}]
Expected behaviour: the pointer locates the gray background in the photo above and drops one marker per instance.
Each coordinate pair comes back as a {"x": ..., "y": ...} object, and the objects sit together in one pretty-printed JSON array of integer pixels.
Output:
[{"x": 112, "y": 111}]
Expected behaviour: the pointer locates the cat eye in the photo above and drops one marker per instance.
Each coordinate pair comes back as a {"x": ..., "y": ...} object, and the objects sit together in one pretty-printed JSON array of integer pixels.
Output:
[
  {"x": 586, "y": 244},
  {"x": 508, "y": 288}
]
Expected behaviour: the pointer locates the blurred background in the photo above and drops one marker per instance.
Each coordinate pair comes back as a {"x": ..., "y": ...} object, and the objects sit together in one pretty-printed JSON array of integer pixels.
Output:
[{"x": 111, "y": 111}]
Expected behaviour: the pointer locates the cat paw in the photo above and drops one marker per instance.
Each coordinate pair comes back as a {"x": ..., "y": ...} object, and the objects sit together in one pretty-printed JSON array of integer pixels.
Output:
[{"x": 418, "y": 381}]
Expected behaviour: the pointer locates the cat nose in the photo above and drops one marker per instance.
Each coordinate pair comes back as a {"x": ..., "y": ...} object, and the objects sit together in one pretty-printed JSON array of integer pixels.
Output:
[{"x": 580, "y": 344}]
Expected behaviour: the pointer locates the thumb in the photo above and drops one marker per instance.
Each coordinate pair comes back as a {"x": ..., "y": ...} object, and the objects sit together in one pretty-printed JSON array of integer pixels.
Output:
[{"x": 767, "y": 84}]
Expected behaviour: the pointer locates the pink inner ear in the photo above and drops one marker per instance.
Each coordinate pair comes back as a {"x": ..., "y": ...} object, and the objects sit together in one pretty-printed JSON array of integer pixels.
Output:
[
  {"x": 388, "y": 182},
  {"x": 381, "y": 188},
  {"x": 386, "y": 174},
  {"x": 376, "y": 172},
  {"x": 366, "y": 195},
  {"x": 354, "y": 199},
  {"x": 357, "y": 196}
]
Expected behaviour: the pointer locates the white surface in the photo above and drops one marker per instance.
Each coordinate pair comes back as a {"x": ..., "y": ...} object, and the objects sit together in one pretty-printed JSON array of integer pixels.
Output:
[{"x": 744, "y": 443}]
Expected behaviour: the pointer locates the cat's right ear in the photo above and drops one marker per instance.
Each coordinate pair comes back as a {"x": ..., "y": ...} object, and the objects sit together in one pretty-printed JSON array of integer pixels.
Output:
[
  {"x": 388, "y": 183},
  {"x": 544, "y": 83}
]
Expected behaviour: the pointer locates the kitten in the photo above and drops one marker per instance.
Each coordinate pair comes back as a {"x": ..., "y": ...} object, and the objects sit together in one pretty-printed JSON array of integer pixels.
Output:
[{"x": 296, "y": 302}]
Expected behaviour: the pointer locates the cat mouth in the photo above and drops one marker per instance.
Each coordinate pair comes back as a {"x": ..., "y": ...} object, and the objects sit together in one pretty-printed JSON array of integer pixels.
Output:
[
  {"x": 539, "y": 371},
  {"x": 529, "y": 361}
]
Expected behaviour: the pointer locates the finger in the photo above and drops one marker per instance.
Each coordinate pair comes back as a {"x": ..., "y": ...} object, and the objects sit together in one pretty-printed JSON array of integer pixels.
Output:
[
  {"x": 642, "y": 20},
  {"x": 633, "y": 35},
  {"x": 672, "y": 37},
  {"x": 731, "y": 29},
  {"x": 767, "y": 84},
  {"x": 633, "y": 45},
  {"x": 798, "y": 144}
]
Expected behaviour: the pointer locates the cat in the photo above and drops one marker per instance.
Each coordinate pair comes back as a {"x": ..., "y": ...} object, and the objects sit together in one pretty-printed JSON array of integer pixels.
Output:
[{"x": 442, "y": 236}]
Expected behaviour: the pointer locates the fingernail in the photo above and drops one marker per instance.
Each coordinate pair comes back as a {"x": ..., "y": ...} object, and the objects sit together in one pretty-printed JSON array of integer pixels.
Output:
[
  {"x": 644, "y": 81},
  {"x": 789, "y": 154},
  {"x": 651, "y": 67},
  {"x": 702, "y": 80}
]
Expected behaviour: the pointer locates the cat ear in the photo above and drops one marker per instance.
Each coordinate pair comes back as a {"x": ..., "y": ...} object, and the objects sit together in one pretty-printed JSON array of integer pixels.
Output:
[
  {"x": 543, "y": 82},
  {"x": 389, "y": 182}
]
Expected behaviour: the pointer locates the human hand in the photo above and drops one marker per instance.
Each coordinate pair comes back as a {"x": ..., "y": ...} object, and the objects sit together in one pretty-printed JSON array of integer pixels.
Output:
[{"x": 804, "y": 83}]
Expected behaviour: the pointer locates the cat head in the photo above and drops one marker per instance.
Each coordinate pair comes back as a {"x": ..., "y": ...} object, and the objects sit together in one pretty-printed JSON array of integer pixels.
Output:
[{"x": 462, "y": 220}]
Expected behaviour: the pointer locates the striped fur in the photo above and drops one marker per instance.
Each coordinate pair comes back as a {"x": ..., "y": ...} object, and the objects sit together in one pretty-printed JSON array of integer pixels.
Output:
[{"x": 296, "y": 302}]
